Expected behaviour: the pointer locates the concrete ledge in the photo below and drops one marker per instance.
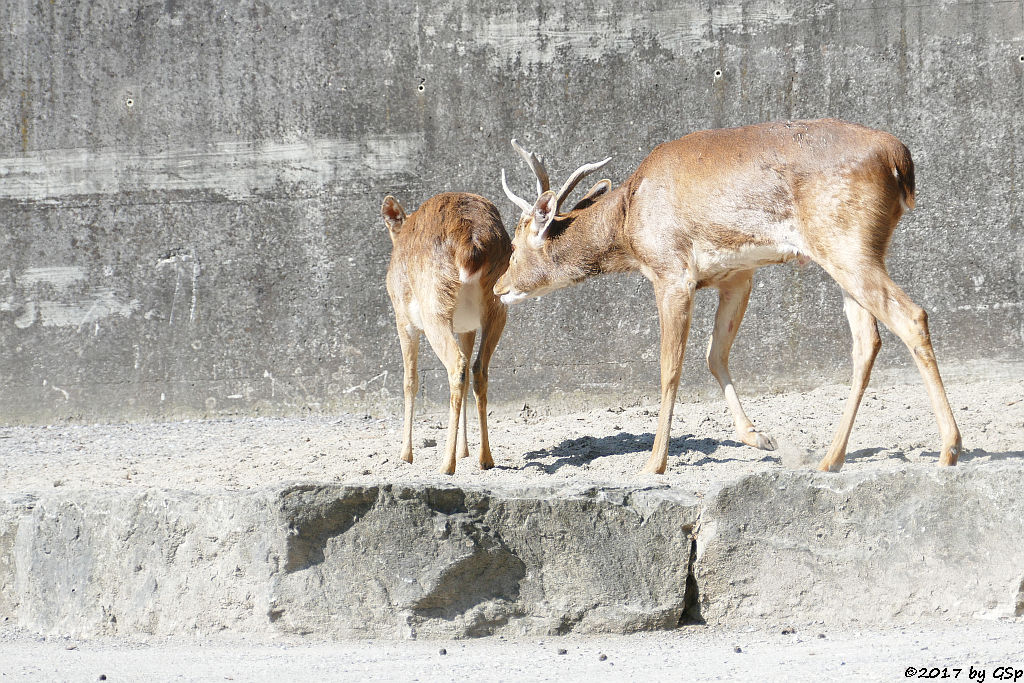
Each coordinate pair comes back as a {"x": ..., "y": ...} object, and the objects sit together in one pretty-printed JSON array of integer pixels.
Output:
[
  {"x": 865, "y": 548},
  {"x": 415, "y": 559},
  {"x": 392, "y": 560}
]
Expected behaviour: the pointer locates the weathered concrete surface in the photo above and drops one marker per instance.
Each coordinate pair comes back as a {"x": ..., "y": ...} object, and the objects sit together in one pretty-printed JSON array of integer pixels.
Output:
[
  {"x": 156, "y": 562},
  {"x": 423, "y": 560},
  {"x": 869, "y": 548},
  {"x": 396, "y": 561},
  {"x": 189, "y": 192}
]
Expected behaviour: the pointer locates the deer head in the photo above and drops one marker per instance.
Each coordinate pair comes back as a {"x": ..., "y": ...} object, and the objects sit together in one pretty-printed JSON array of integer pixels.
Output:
[{"x": 547, "y": 255}]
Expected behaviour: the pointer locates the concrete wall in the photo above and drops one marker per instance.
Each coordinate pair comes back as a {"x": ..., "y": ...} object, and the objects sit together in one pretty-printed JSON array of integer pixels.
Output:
[{"x": 189, "y": 191}]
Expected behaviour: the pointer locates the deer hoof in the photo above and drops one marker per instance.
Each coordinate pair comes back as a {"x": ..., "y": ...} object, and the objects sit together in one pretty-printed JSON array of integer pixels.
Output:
[
  {"x": 759, "y": 440},
  {"x": 486, "y": 463},
  {"x": 950, "y": 455},
  {"x": 827, "y": 465}
]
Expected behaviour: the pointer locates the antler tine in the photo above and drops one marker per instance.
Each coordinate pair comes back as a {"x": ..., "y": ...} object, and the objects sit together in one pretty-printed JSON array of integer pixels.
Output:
[
  {"x": 578, "y": 175},
  {"x": 518, "y": 201},
  {"x": 535, "y": 163}
]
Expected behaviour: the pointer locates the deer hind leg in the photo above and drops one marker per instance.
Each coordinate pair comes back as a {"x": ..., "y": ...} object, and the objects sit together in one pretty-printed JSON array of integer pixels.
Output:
[
  {"x": 733, "y": 295},
  {"x": 874, "y": 290},
  {"x": 866, "y": 343},
  {"x": 494, "y": 324},
  {"x": 675, "y": 309},
  {"x": 445, "y": 344},
  {"x": 466, "y": 341},
  {"x": 410, "y": 341}
]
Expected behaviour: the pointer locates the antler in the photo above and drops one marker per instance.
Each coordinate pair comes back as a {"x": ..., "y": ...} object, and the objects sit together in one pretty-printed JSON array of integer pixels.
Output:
[
  {"x": 518, "y": 201},
  {"x": 543, "y": 182},
  {"x": 578, "y": 175},
  {"x": 537, "y": 165}
]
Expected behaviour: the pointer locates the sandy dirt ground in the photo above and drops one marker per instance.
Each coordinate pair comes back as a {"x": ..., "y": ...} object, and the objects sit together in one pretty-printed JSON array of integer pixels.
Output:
[
  {"x": 608, "y": 444},
  {"x": 687, "y": 654}
]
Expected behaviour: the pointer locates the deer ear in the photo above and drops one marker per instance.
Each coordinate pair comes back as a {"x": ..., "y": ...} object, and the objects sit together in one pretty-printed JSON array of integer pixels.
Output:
[
  {"x": 599, "y": 188},
  {"x": 544, "y": 210},
  {"x": 393, "y": 213}
]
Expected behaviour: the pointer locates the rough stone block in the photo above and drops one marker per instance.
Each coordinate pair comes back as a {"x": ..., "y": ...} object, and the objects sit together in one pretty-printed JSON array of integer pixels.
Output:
[
  {"x": 409, "y": 560},
  {"x": 391, "y": 560},
  {"x": 867, "y": 548}
]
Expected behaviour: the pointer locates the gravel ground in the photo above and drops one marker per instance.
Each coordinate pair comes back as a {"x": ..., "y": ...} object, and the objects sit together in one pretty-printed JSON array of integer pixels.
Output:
[
  {"x": 608, "y": 444},
  {"x": 690, "y": 653}
]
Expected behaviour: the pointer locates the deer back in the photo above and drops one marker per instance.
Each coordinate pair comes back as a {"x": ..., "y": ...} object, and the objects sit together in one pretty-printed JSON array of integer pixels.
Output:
[
  {"x": 764, "y": 193},
  {"x": 452, "y": 239}
]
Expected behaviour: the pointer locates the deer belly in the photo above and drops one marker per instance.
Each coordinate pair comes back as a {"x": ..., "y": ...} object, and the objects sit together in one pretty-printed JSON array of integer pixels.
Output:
[
  {"x": 712, "y": 263},
  {"x": 468, "y": 308}
]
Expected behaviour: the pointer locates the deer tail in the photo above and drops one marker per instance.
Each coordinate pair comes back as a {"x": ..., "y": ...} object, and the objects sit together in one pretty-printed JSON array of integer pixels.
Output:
[{"x": 903, "y": 169}]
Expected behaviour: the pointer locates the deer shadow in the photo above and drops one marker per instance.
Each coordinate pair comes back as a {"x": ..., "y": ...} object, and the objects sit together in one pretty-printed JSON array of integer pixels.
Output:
[
  {"x": 583, "y": 450},
  {"x": 966, "y": 456},
  {"x": 973, "y": 453},
  {"x": 865, "y": 453},
  {"x": 586, "y": 449}
]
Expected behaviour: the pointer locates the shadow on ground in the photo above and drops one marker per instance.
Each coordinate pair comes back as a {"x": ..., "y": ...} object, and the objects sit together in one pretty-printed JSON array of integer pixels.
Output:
[
  {"x": 966, "y": 456},
  {"x": 871, "y": 453},
  {"x": 866, "y": 453},
  {"x": 586, "y": 449},
  {"x": 982, "y": 453}
]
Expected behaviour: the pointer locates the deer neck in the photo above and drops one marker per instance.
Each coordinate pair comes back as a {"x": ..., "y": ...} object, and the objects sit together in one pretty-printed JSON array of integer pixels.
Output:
[{"x": 596, "y": 233}]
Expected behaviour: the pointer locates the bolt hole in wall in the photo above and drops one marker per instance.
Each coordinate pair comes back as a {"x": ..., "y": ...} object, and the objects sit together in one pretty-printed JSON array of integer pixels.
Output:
[
  {"x": 129, "y": 103},
  {"x": 718, "y": 73},
  {"x": 421, "y": 87},
  {"x": 1021, "y": 58}
]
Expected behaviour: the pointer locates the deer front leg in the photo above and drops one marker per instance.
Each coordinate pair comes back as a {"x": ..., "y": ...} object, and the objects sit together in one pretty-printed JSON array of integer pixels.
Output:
[
  {"x": 733, "y": 295},
  {"x": 675, "y": 308},
  {"x": 410, "y": 342}
]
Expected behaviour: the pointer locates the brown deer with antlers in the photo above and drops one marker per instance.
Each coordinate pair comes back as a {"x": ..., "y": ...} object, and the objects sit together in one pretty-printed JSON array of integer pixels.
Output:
[
  {"x": 446, "y": 258},
  {"x": 706, "y": 211}
]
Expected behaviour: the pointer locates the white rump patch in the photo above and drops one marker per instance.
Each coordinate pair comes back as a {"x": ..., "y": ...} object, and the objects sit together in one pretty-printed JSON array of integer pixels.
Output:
[
  {"x": 415, "y": 317},
  {"x": 467, "y": 277},
  {"x": 468, "y": 307}
]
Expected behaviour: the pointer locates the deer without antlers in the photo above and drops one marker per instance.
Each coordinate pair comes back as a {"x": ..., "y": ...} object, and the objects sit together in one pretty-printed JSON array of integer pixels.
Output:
[
  {"x": 706, "y": 211},
  {"x": 446, "y": 257}
]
